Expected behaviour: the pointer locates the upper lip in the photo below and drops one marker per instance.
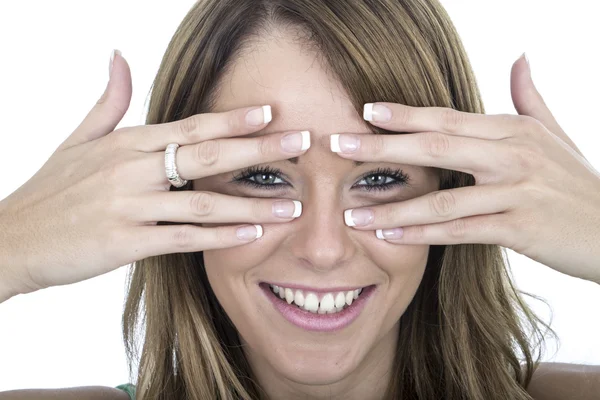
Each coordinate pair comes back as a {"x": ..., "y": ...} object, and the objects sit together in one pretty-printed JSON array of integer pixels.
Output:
[{"x": 317, "y": 289}]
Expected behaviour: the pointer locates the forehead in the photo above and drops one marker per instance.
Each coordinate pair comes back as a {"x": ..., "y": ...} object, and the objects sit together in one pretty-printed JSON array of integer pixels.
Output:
[{"x": 303, "y": 95}]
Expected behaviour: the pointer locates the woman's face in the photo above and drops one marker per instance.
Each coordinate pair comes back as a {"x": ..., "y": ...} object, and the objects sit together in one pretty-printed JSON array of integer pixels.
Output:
[{"x": 316, "y": 250}]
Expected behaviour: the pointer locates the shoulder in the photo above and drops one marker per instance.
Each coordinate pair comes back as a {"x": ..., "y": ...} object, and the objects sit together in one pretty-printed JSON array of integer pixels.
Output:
[
  {"x": 554, "y": 381},
  {"x": 76, "y": 393}
]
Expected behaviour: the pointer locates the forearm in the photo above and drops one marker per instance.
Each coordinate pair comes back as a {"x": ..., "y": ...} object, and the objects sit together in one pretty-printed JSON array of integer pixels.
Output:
[
  {"x": 559, "y": 381},
  {"x": 87, "y": 392}
]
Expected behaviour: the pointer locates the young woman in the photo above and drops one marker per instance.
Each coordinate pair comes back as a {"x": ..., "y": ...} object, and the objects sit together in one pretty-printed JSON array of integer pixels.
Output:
[{"x": 338, "y": 203}]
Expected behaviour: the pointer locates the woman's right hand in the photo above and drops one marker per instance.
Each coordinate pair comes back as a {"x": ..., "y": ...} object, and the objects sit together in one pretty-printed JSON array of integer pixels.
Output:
[{"x": 94, "y": 205}]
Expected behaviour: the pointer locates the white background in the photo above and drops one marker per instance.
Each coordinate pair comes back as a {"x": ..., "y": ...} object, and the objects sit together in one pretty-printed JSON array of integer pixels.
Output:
[{"x": 54, "y": 67}]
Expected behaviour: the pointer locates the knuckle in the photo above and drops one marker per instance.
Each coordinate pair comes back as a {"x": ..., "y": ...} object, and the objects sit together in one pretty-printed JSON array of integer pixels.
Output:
[
  {"x": 527, "y": 158},
  {"x": 417, "y": 233},
  {"x": 111, "y": 143},
  {"x": 117, "y": 139},
  {"x": 115, "y": 206},
  {"x": 257, "y": 209},
  {"x": 451, "y": 119},
  {"x": 507, "y": 118},
  {"x": 527, "y": 121},
  {"x": 389, "y": 213},
  {"x": 457, "y": 228},
  {"x": 377, "y": 145},
  {"x": 189, "y": 128},
  {"x": 265, "y": 146},
  {"x": 207, "y": 152},
  {"x": 115, "y": 172},
  {"x": 111, "y": 173},
  {"x": 534, "y": 193},
  {"x": 529, "y": 127},
  {"x": 442, "y": 203},
  {"x": 183, "y": 237},
  {"x": 434, "y": 144},
  {"x": 202, "y": 203},
  {"x": 403, "y": 115}
]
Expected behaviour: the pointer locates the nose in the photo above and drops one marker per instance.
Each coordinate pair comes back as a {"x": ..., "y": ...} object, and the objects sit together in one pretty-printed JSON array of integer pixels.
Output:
[{"x": 322, "y": 241}]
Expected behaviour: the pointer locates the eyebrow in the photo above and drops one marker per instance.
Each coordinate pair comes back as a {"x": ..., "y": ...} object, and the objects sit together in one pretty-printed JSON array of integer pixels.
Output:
[{"x": 294, "y": 160}]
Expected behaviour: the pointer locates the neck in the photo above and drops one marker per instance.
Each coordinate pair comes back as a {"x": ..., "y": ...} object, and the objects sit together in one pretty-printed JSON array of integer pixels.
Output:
[{"x": 369, "y": 380}]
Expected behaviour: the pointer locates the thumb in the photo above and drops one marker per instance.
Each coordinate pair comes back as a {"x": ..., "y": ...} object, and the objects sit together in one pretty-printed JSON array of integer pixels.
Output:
[
  {"x": 528, "y": 101},
  {"x": 110, "y": 108}
]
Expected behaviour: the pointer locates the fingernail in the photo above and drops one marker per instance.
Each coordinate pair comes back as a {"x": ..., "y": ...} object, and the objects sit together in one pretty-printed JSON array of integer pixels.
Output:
[
  {"x": 249, "y": 232},
  {"x": 524, "y": 55},
  {"x": 377, "y": 113},
  {"x": 360, "y": 217},
  {"x": 112, "y": 61},
  {"x": 344, "y": 143},
  {"x": 295, "y": 142},
  {"x": 259, "y": 116},
  {"x": 395, "y": 233},
  {"x": 287, "y": 209}
]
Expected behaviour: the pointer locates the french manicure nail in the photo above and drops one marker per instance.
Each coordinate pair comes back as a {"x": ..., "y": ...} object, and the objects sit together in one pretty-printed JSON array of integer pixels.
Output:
[
  {"x": 112, "y": 61},
  {"x": 344, "y": 143},
  {"x": 287, "y": 209},
  {"x": 376, "y": 112},
  {"x": 249, "y": 232},
  {"x": 360, "y": 217},
  {"x": 395, "y": 233},
  {"x": 295, "y": 142},
  {"x": 259, "y": 116}
]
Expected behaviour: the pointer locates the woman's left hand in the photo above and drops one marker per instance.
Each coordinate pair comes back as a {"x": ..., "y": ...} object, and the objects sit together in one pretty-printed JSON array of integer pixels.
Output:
[{"x": 535, "y": 193}]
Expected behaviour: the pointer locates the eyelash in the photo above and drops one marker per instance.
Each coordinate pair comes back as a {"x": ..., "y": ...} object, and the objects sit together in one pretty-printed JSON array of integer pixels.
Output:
[{"x": 401, "y": 179}]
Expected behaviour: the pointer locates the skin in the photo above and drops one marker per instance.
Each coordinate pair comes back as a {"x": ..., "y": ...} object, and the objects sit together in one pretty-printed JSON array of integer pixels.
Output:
[
  {"x": 317, "y": 249},
  {"x": 279, "y": 365},
  {"x": 307, "y": 245}
]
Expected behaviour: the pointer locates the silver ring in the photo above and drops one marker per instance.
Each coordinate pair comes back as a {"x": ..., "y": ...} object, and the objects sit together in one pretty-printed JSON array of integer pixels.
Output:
[{"x": 171, "y": 168}]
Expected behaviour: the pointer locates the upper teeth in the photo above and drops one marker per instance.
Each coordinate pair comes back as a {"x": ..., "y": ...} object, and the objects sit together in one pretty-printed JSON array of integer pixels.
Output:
[{"x": 325, "y": 303}]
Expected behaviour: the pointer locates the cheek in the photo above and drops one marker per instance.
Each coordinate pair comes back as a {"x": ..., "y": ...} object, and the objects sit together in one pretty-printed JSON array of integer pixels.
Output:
[
  {"x": 404, "y": 265},
  {"x": 234, "y": 273},
  {"x": 400, "y": 262},
  {"x": 242, "y": 259},
  {"x": 238, "y": 270}
]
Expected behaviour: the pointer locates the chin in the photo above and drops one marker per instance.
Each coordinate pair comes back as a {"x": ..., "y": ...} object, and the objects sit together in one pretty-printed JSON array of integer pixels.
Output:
[{"x": 313, "y": 361}]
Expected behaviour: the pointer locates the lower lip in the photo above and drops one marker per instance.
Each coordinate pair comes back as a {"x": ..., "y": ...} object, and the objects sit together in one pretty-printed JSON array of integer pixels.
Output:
[{"x": 319, "y": 322}]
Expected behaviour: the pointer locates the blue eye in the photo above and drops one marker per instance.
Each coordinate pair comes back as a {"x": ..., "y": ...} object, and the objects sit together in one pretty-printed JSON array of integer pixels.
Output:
[
  {"x": 270, "y": 178},
  {"x": 260, "y": 177},
  {"x": 384, "y": 179}
]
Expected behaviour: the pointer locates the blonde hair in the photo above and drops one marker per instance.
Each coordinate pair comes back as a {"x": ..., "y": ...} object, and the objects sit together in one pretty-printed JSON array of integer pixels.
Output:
[{"x": 467, "y": 329}]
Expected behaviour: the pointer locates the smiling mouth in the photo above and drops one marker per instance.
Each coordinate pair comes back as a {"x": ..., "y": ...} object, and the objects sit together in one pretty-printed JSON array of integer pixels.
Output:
[{"x": 317, "y": 303}]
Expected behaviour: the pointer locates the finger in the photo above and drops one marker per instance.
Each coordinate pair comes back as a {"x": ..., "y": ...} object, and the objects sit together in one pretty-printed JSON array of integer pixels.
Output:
[
  {"x": 197, "y": 128},
  {"x": 484, "y": 229},
  {"x": 434, "y": 149},
  {"x": 403, "y": 118},
  {"x": 148, "y": 241},
  {"x": 214, "y": 157},
  {"x": 209, "y": 207},
  {"x": 434, "y": 207},
  {"x": 109, "y": 110},
  {"x": 528, "y": 100}
]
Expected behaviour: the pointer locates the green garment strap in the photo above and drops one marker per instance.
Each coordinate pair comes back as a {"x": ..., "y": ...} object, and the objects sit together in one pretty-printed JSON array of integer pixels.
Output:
[{"x": 129, "y": 389}]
